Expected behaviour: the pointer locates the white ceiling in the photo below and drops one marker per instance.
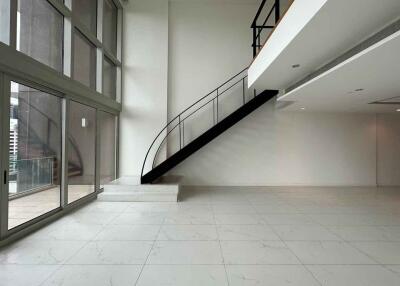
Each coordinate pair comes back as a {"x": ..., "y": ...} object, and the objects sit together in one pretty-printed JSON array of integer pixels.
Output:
[
  {"x": 376, "y": 70},
  {"x": 338, "y": 26}
]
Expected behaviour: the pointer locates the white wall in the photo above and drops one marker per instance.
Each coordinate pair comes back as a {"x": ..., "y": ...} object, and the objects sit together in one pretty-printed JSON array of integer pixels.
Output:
[
  {"x": 209, "y": 41},
  {"x": 388, "y": 150},
  {"x": 271, "y": 148},
  {"x": 175, "y": 47},
  {"x": 145, "y": 67}
]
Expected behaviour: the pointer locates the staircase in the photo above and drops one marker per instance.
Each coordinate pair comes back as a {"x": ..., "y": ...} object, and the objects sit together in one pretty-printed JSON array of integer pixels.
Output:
[{"x": 223, "y": 107}]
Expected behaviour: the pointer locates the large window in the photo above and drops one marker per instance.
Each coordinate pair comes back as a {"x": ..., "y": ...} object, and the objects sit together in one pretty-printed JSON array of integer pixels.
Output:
[
  {"x": 86, "y": 11},
  {"x": 84, "y": 60},
  {"x": 40, "y": 32},
  {"x": 81, "y": 151},
  {"x": 110, "y": 26},
  {"x": 107, "y": 129},
  {"x": 109, "y": 78},
  {"x": 51, "y": 105},
  {"x": 5, "y": 21},
  {"x": 34, "y": 154}
]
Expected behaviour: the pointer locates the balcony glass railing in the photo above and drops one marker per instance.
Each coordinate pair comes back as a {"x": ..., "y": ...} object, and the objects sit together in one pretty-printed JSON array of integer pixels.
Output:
[{"x": 30, "y": 175}]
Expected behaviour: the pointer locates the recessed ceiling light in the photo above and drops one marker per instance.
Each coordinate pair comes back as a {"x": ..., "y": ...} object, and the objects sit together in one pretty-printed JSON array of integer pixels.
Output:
[
  {"x": 295, "y": 66},
  {"x": 398, "y": 110},
  {"x": 303, "y": 108},
  {"x": 359, "y": 89}
]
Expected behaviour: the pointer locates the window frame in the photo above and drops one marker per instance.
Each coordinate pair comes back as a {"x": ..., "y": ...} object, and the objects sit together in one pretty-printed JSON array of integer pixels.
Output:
[
  {"x": 77, "y": 33},
  {"x": 19, "y": 67}
]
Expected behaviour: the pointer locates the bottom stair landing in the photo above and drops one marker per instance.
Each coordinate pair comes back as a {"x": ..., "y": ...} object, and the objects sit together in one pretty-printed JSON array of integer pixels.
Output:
[{"x": 129, "y": 189}]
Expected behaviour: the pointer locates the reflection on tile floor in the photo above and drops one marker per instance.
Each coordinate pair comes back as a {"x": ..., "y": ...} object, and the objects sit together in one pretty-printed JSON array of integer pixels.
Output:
[
  {"x": 31, "y": 206},
  {"x": 219, "y": 236}
]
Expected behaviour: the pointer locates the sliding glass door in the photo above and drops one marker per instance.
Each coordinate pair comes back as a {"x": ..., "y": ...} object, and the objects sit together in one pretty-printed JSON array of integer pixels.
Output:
[
  {"x": 34, "y": 153},
  {"x": 81, "y": 151},
  {"x": 107, "y": 145}
]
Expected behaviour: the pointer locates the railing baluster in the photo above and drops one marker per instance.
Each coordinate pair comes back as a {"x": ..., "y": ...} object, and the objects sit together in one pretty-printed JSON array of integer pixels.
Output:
[
  {"x": 213, "y": 103},
  {"x": 277, "y": 11},
  {"x": 183, "y": 133},
  {"x": 258, "y": 28},
  {"x": 217, "y": 105},
  {"x": 180, "y": 135},
  {"x": 254, "y": 42},
  {"x": 244, "y": 101}
]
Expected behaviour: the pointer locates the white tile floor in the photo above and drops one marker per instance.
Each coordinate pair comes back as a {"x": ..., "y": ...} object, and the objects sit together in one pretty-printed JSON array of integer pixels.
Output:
[{"x": 219, "y": 236}]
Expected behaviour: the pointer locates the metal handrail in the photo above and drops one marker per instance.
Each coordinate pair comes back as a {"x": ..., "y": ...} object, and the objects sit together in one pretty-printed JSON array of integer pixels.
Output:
[
  {"x": 33, "y": 159},
  {"x": 258, "y": 29},
  {"x": 190, "y": 114},
  {"x": 179, "y": 116}
]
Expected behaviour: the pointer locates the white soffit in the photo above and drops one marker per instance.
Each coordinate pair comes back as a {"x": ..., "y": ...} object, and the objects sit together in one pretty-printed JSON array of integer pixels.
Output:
[
  {"x": 370, "y": 76},
  {"x": 312, "y": 33}
]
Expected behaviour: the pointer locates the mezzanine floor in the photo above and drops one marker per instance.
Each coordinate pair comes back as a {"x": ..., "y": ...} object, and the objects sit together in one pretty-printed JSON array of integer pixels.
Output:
[{"x": 219, "y": 236}]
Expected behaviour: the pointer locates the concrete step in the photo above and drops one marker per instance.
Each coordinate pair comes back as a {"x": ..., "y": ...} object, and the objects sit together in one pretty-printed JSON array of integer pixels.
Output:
[{"x": 128, "y": 189}]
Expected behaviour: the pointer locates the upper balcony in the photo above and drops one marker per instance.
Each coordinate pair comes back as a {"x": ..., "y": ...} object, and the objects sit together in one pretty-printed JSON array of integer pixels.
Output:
[{"x": 313, "y": 35}]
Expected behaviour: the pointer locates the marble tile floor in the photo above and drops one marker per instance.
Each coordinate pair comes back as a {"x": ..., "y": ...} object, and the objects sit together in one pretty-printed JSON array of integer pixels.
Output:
[{"x": 219, "y": 236}]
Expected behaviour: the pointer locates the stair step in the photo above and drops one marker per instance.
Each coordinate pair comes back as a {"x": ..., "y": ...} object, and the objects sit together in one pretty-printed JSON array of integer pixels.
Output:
[{"x": 127, "y": 189}]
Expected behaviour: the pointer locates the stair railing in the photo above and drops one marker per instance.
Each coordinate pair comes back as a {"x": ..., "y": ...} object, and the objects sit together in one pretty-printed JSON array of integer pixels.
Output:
[
  {"x": 258, "y": 28},
  {"x": 214, "y": 98}
]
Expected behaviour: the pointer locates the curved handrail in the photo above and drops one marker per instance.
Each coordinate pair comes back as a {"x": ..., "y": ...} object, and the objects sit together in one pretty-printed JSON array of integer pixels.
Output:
[{"x": 186, "y": 109}]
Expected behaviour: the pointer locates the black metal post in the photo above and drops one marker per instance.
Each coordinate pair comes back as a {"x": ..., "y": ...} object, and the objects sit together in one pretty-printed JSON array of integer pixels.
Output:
[
  {"x": 183, "y": 133},
  {"x": 217, "y": 104},
  {"x": 244, "y": 101},
  {"x": 254, "y": 42},
  {"x": 277, "y": 11},
  {"x": 180, "y": 134},
  {"x": 213, "y": 103}
]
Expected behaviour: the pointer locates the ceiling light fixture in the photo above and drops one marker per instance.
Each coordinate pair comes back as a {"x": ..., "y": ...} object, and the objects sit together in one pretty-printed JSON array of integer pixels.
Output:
[
  {"x": 398, "y": 109},
  {"x": 303, "y": 108},
  {"x": 359, "y": 89},
  {"x": 295, "y": 66}
]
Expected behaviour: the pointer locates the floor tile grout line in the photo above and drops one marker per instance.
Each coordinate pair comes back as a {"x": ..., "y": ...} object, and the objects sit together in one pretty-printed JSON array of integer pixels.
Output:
[
  {"x": 183, "y": 264},
  {"x": 305, "y": 213},
  {"x": 148, "y": 255},
  {"x": 64, "y": 263},
  {"x": 75, "y": 253},
  {"x": 365, "y": 253},
  {"x": 222, "y": 254},
  {"x": 51, "y": 274},
  {"x": 301, "y": 262}
]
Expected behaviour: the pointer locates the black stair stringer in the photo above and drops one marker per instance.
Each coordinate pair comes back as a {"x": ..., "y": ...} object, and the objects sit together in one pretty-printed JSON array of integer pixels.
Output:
[{"x": 208, "y": 136}]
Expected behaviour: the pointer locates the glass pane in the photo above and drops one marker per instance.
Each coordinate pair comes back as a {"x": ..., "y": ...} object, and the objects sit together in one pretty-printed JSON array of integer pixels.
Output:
[
  {"x": 40, "y": 32},
  {"x": 84, "y": 61},
  {"x": 86, "y": 12},
  {"x": 107, "y": 147},
  {"x": 110, "y": 26},
  {"x": 5, "y": 21},
  {"x": 109, "y": 79},
  {"x": 81, "y": 151},
  {"x": 35, "y": 154}
]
